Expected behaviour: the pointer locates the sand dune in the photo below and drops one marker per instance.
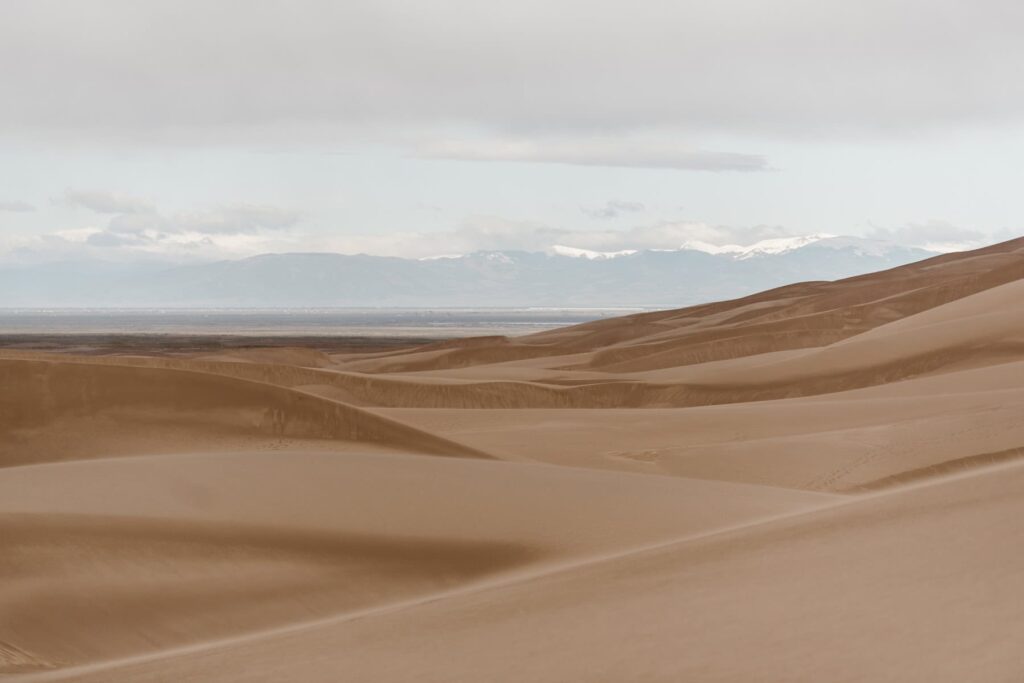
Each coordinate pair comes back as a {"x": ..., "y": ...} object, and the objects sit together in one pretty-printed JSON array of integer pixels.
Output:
[
  {"x": 824, "y": 477},
  {"x": 90, "y": 407},
  {"x": 220, "y": 544},
  {"x": 872, "y": 590}
]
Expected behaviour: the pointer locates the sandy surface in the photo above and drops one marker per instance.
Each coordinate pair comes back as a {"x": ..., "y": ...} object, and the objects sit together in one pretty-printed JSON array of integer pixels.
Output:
[{"x": 823, "y": 482}]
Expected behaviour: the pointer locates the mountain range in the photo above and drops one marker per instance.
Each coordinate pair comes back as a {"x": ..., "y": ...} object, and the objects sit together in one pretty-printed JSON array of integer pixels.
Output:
[{"x": 561, "y": 276}]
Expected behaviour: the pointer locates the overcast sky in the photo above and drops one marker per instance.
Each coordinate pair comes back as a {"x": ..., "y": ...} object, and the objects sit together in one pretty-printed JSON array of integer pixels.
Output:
[{"x": 215, "y": 128}]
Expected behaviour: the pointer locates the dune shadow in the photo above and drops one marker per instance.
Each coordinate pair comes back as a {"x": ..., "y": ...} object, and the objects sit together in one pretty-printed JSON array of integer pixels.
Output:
[{"x": 77, "y": 588}]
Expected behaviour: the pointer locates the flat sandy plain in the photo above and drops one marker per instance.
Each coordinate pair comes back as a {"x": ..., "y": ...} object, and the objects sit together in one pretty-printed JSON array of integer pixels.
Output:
[{"x": 822, "y": 482}]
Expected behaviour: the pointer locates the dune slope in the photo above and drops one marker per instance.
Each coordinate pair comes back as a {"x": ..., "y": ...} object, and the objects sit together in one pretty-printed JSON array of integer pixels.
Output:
[
  {"x": 871, "y": 590},
  {"x": 108, "y": 558},
  {"x": 818, "y": 482}
]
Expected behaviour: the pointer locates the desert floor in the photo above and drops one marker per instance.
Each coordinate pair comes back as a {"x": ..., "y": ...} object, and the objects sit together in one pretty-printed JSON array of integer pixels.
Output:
[{"x": 822, "y": 482}]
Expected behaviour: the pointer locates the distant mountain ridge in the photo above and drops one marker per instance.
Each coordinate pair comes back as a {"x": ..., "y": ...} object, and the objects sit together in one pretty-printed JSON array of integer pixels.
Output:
[{"x": 564, "y": 276}]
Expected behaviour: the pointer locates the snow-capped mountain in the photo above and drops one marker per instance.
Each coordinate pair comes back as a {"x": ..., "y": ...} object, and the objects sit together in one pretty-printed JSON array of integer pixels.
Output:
[
  {"x": 777, "y": 245},
  {"x": 768, "y": 247},
  {"x": 562, "y": 276},
  {"x": 574, "y": 252}
]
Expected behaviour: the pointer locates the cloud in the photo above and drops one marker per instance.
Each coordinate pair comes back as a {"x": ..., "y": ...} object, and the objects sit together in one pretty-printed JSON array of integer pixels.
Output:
[
  {"x": 112, "y": 239},
  {"x": 83, "y": 244},
  {"x": 139, "y": 226},
  {"x": 139, "y": 223},
  {"x": 16, "y": 207},
  {"x": 491, "y": 233},
  {"x": 242, "y": 219},
  {"x": 934, "y": 235},
  {"x": 106, "y": 202},
  {"x": 613, "y": 209},
  {"x": 318, "y": 70},
  {"x": 595, "y": 152}
]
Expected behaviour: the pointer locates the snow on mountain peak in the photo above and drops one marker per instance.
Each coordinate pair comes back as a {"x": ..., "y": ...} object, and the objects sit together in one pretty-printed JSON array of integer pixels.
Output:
[
  {"x": 773, "y": 246},
  {"x": 574, "y": 252},
  {"x": 780, "y": 245},
  {"x": 440, "y": 257},
  {"x": 708, "y": 248}
]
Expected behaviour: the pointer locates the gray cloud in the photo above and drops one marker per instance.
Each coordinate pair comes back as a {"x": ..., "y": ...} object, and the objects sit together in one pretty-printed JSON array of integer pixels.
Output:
[
  {"x": 138, "y": 225},
  {"x": 17, "y": 207},
  {"x": 595, "y": 152},
  {"x": 112, "y": 247},
  {"x": 246, "y": 69},
  {"x": 106, "y": 202},
  {"x": 132, "y": 216},
  {"x": 244, "y": 219},
  {"x": 114, "y": 239},
  {"x": 613, "y": 209}
]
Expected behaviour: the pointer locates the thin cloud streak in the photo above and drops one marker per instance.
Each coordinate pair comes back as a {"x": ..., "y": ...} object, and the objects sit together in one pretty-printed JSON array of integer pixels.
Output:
[{"x": 609, "y": 152}]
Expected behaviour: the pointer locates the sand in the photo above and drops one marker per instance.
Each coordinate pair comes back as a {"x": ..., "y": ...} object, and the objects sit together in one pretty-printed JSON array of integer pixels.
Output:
[{"x": 821, "y": 482}]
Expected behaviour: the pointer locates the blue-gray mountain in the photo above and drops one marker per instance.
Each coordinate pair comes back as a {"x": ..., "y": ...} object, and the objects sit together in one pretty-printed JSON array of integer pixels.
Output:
[{"x": 561, "y": 277}]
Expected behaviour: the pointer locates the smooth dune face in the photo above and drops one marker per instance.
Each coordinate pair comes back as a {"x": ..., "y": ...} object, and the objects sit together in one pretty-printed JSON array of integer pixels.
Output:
[{"x": 819, "y": 482}]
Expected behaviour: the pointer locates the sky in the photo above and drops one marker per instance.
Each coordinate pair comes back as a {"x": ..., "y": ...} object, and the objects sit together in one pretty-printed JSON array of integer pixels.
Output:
[{"x": 193, "y": 130}]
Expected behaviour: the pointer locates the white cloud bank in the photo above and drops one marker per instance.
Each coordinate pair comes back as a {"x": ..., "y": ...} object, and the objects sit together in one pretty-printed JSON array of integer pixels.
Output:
[
  {"x": 133, "y": 227},
  {"x": 491, "y": 233},
  {"x": 235, "y": 231}
]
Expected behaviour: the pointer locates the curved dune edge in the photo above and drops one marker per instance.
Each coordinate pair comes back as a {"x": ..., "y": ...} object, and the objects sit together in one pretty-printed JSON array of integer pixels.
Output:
[
  {"x": 37, "y": 394},
  {"x": 944, "y": 469}
]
